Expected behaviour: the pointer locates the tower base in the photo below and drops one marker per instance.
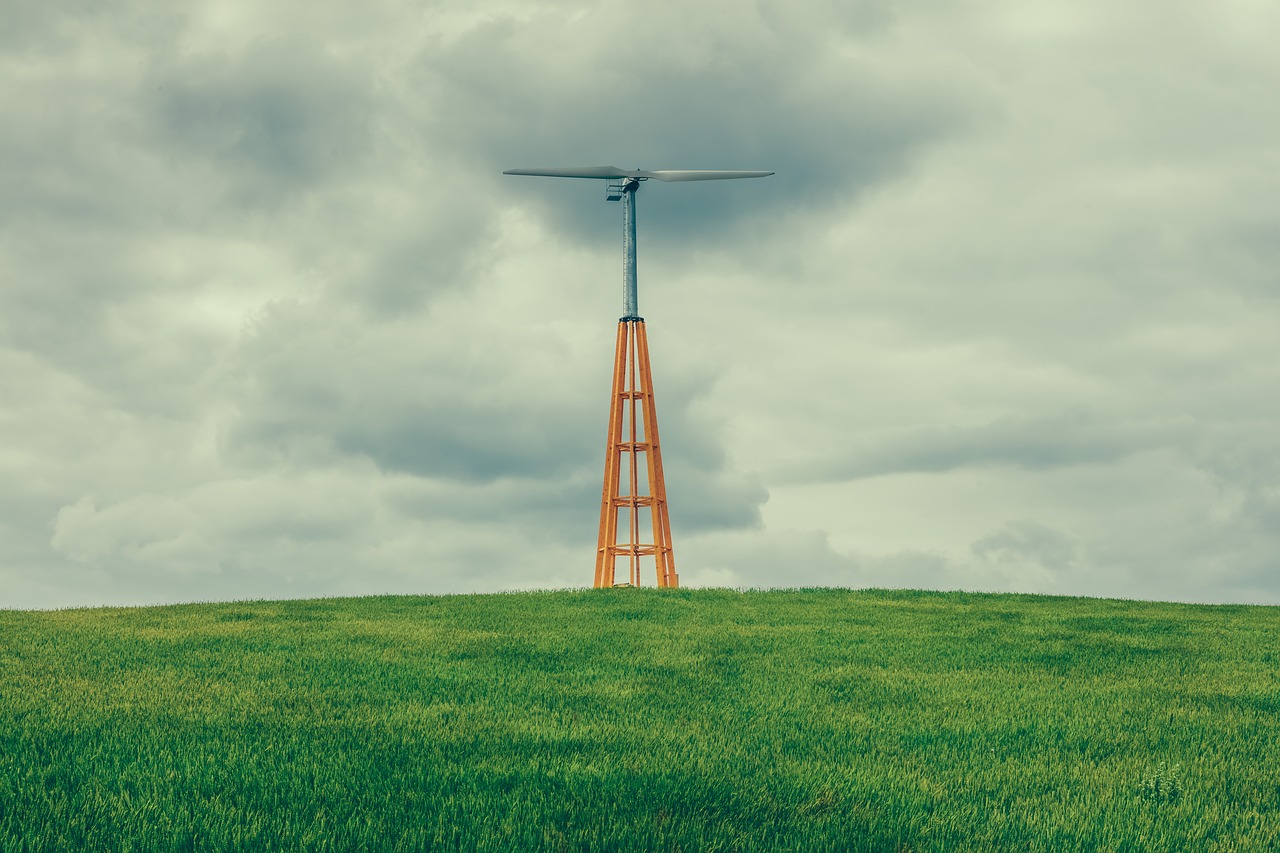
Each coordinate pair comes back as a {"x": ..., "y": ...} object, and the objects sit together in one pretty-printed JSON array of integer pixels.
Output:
[{"x": 634, "y": 496}]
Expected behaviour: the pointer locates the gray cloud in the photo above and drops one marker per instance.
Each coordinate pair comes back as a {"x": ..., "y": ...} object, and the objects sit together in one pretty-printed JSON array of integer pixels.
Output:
[
  {"x": 801, "y": 101},
  {"x": 1036, "y": 443},
  {"x": 1028, "y": 547},
  {"x": 274, "y": 122},
  {"x": 312, "y": 385}
]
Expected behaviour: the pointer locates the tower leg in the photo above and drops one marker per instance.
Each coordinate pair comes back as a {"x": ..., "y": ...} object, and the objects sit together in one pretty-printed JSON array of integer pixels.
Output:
[
  {"x": 664, "y": 554},
  {"x": 612, "y": 464},
  {"x": 633, "y": 430}
]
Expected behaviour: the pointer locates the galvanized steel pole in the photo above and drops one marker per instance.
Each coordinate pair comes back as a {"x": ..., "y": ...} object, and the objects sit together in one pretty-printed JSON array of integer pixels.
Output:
[{"x": 631, "y": 310}]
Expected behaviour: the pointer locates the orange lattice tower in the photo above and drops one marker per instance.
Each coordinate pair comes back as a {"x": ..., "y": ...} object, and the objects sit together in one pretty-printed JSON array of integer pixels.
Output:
[{"x": 633, "y": 493}]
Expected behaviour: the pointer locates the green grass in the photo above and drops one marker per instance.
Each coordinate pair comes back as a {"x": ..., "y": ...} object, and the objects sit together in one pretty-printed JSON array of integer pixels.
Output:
[{"x": 643, "y": 720}]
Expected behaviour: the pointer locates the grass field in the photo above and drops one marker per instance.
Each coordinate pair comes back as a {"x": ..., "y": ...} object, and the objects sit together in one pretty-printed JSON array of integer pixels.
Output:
[{"x": 643, "y": 720}]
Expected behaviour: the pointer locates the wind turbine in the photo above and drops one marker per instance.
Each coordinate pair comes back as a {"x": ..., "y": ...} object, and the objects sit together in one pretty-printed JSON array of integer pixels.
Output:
[{"x": 632, "y": 433}]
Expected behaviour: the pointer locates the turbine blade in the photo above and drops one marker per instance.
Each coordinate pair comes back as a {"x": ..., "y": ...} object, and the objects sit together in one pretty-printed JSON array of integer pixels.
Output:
[
  {"x": 575, "y": 172},
  {"x": 670, "y": 175},
  {"x": 702, "y": 175}
]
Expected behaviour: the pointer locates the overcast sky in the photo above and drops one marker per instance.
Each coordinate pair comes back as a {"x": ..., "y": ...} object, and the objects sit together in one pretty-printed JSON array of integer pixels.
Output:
[{"x": 274, "y": 324}]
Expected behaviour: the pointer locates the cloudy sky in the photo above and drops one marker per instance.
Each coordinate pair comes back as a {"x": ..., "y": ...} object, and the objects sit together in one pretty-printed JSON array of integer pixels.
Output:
[{"x": 274, "y": 324}]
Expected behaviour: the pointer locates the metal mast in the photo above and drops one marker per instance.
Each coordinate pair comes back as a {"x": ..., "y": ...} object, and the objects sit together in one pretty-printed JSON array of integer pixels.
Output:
[
  {"x": 630, "y": 307},
  {"x": 631, "y": 490}
]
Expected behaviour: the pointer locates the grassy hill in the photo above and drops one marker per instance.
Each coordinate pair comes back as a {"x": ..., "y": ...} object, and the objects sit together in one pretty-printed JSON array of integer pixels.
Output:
[{"x": 643, "y": 720}]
